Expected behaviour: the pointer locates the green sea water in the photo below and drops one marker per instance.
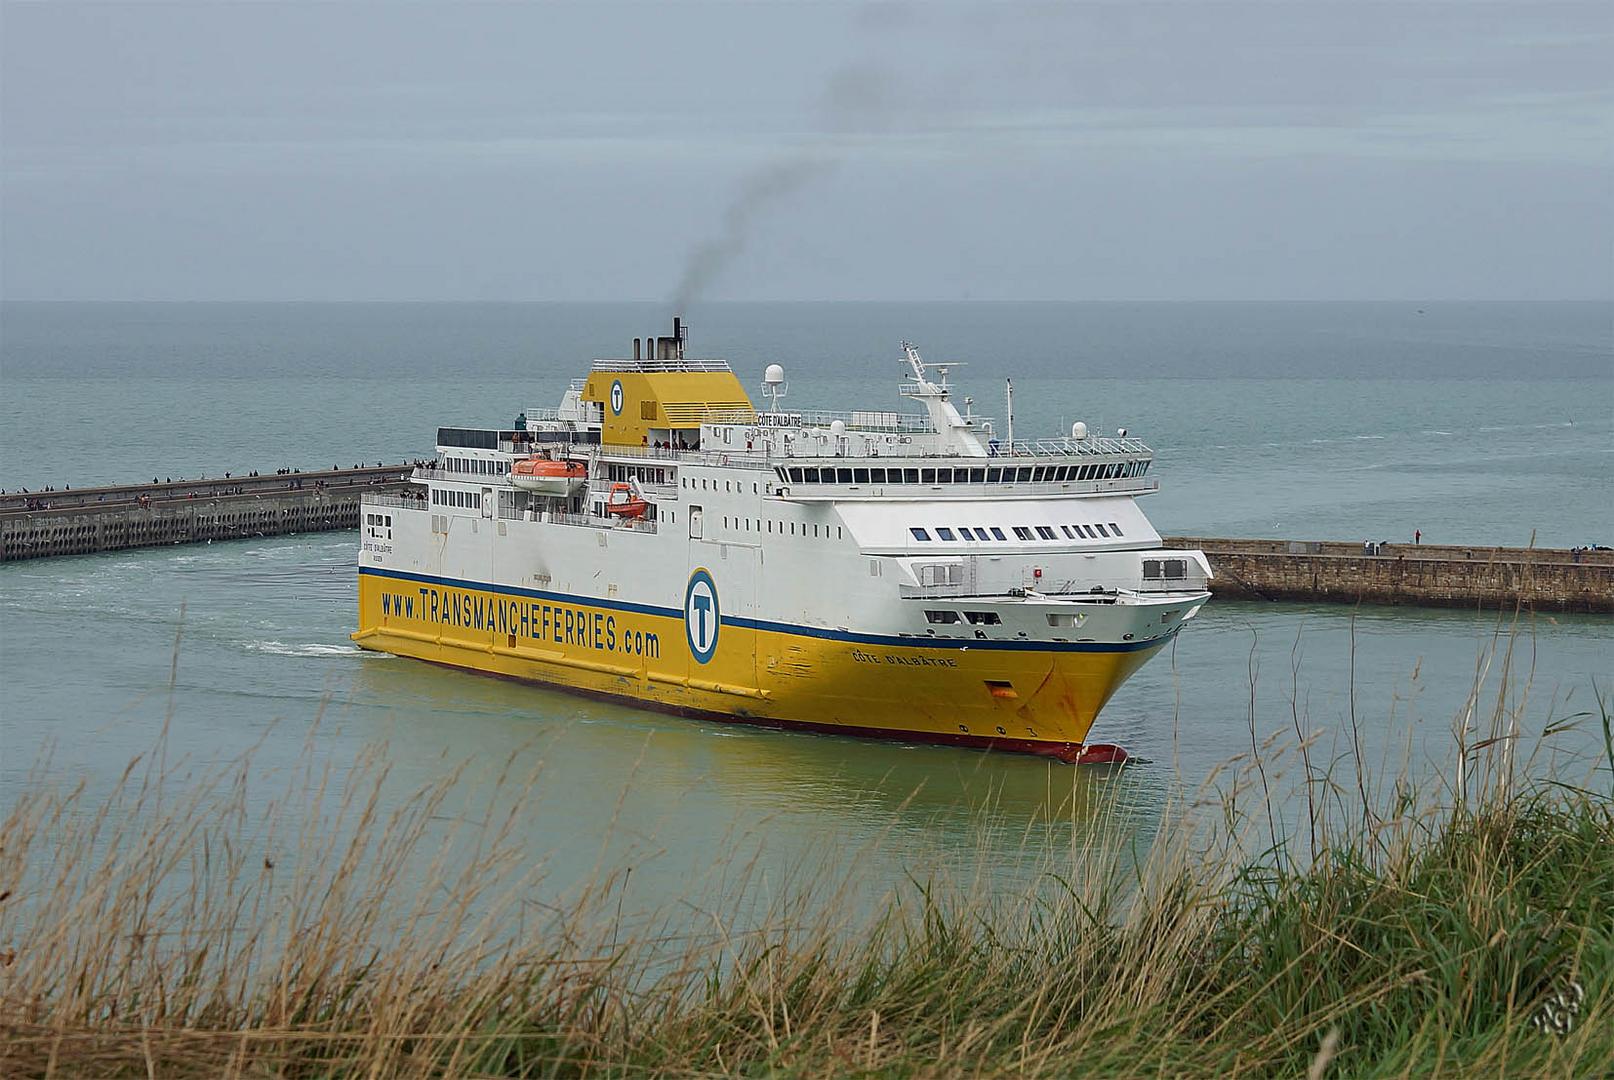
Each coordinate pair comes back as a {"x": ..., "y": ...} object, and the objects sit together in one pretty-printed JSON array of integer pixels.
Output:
[{"x": 1473, "y": 423}]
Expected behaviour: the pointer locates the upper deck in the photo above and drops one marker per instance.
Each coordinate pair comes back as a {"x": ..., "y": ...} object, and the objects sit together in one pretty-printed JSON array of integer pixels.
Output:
[{"x": 663, "y": 408}]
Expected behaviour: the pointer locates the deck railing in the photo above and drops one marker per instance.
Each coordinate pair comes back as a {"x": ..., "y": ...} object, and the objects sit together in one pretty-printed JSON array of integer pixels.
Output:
[
  {"x": 397, "y": 502},
  {"x": 587, "y": 521}
]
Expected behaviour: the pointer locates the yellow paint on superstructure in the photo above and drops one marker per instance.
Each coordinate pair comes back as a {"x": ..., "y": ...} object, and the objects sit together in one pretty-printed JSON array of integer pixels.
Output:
[{"x": 652, "y": 400}]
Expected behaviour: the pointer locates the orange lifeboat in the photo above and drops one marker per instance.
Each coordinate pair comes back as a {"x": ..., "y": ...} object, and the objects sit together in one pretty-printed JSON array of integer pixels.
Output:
[
  {"x": 545, "y": 477},
  {"x": 629, "y": 506}
]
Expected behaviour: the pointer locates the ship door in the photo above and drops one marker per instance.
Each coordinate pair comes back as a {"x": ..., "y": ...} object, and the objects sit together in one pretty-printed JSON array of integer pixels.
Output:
[
  {"x": 695, "y": 523},
  {"x": 487, "y": 502}
]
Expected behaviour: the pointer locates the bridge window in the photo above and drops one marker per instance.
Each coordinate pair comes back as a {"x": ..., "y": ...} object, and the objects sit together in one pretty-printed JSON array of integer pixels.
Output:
[
  {"x": 1023, "y": 475},
  {"x": 927, "y": 476},
  {"x": 1068, "y": 534},
  {"x": 910, "y": 476},
  {"x": 812, "y": 476},
  {"x": 945, "y": 533},
  {"x": 965, "y": 533},
  {"x": 860, "y": 476},
  {"x": 1101, "y": 531},
  {"x": 1046, "y": 533},
  {"x": 1114, "y": 528},
  {"x": 843, "y": 476},
  {"x": 941, "y": 616},
  {"x": 994, "y": 476},
  {"x": 997, "y": 533},
  {"x": 876, "y": 476},
  {"x": 977, "y": 476},
  {"x": 983, "y": 618},
  {"x": 919, "y": 534},
  {"x": 1022, "y": 532}
]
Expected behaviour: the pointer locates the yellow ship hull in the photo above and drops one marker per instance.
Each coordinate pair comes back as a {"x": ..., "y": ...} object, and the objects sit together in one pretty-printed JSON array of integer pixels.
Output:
[{"x": 1037, "y": 697}]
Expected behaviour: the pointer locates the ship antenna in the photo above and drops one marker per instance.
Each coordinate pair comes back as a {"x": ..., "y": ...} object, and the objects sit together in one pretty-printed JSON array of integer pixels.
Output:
[
  {"x": 1008, "y": 409},
  {"x": 773, "y": 386}
]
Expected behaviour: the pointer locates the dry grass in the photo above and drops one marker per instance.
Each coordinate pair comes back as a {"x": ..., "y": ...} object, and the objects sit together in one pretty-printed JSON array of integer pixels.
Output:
[{"x": 162, "y": 929}]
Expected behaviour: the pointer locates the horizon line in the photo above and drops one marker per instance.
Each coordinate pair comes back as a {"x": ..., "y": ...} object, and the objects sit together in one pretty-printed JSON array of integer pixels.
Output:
[{"x": 826, "y": 300}]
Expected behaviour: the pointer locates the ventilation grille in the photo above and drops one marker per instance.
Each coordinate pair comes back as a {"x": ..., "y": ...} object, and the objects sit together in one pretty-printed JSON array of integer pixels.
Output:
[{"x": 695, "y": 413}]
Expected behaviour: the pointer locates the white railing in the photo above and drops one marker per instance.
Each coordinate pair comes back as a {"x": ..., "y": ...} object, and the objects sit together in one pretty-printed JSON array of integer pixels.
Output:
[
  {"x": 856, "y": 420},
  {"x": 808, "y": 492},
  {"x": 660, "y": 365},
  {"x": 587, "y": 521},
  {"x": 397, "y": 502},
  {"x": 727, "y": 458},
  {"x": 1058, "y": 591},
  {"x": 1068, "y": 447},
  {"x": 484, "y": 479}
]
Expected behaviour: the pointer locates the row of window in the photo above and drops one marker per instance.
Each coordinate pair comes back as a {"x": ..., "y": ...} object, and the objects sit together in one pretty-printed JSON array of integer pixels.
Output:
[
  {"x": 784, "y": 528},
  {"x": 1095, "y": 531},
  {"x": 378, "y": 519},
  {"x": 1011, "y": 474},
  {"x": 477, "y": 466},
  {"x": 702, "y": 483},
  {"x": 976, "y": 618},
  {"x": 467, "y": 500},
  {"x": 642, "y": 473}
]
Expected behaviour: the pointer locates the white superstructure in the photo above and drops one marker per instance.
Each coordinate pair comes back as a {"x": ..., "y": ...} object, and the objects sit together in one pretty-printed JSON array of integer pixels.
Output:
[{"x": 796, "y": 568}]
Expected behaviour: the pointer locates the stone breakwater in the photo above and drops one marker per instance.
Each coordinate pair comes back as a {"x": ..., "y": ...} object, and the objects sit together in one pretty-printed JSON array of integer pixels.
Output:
[
  {"x": 85, "y": 520},
  {"x": 1428, "y": 575}
]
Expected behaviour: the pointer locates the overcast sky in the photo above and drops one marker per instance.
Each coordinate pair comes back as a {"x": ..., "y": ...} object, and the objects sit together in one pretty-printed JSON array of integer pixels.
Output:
[{"x": 768, "y": 151}]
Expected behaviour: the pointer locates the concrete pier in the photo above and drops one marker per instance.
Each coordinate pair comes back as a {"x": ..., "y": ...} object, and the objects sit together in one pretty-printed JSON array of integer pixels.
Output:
[
  {"x": 82, "y": 521},
  {"x": 1427, "y": 575},
  {"x": 78, "y": 522}
]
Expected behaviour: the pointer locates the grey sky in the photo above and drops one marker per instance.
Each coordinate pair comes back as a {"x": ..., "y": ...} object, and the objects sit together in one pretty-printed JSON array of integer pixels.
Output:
[{"x": 1125, "y": 151}]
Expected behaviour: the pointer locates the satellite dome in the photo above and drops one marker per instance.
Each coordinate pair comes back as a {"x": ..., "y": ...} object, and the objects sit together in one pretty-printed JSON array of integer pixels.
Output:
[
  {"x": 774, "y": 375},
  {"x": 1078, "y": 430}
]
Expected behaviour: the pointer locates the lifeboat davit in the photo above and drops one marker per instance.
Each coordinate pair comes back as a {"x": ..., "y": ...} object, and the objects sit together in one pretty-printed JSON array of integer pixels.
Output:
[
  {"x": 545, "y": 477},
  {"x": 628, "y": 506}
]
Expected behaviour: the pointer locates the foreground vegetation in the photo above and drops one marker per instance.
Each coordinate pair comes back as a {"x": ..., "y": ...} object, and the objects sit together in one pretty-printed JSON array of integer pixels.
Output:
[{"x": 1467, "y": 928}]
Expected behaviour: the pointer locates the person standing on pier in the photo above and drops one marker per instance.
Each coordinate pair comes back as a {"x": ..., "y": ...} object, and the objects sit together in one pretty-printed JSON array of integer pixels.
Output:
[{"x": 1417, "y": 536}]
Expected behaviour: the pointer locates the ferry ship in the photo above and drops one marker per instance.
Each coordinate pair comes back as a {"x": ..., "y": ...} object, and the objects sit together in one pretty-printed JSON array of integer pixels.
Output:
[{"x": 660, "y": 540}]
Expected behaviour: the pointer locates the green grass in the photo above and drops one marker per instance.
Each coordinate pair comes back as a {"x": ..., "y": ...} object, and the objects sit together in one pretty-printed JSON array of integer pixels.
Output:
[{"x": 146, "y": 934}]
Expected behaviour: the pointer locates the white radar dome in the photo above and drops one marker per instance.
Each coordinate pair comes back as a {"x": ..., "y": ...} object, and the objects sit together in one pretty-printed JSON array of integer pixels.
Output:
[
  {"x": 837, "y": 427},
  {"x": 774, "y": 375},
  {"x": 1121, "y": 432},
  {"x": 1078, "y": 430}
]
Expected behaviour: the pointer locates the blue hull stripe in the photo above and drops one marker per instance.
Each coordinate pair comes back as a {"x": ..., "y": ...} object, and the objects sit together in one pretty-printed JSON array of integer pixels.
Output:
[{"x": 777, "y": 627}]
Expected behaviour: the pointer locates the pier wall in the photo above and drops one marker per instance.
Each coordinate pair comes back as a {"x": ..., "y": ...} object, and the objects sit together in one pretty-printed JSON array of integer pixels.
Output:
[
  {"x": 1424, "y": 575},
  {"x": 81, "y": 522}
]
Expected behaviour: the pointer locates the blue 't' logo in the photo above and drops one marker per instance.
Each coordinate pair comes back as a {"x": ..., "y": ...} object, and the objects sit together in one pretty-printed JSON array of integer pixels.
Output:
[
  {"x": 616, "y": 398},
  {"x": 702, "y": 618}
]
